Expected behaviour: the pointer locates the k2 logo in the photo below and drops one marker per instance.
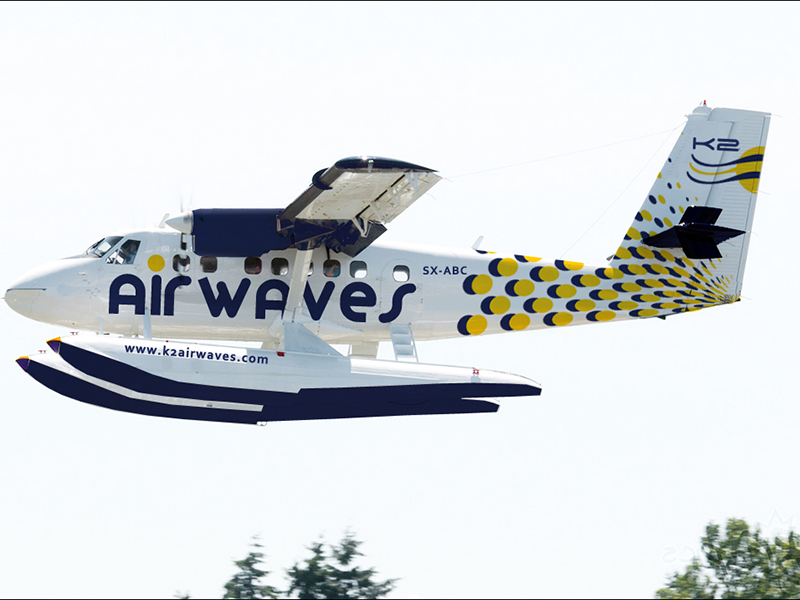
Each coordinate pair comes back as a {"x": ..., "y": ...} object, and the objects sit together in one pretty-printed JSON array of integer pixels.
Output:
[{"x": 723, "y": 144}]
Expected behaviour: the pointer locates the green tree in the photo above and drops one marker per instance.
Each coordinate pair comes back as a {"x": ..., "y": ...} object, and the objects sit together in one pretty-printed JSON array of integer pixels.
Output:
[
  {"x": 333, "y": 576},
  {"x": 742, "y": 564},
  {"x": 247, "y": 582}
]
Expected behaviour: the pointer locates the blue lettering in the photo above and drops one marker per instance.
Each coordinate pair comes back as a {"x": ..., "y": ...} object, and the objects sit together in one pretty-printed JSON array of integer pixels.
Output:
[
  {"x": 316, "y": 306},
  {"x": 366, "y": 297},
  {"x": 708, "y": 144},
  {"x": 115, "y": 298},
  {"x": 728, "y": 145},
  {"x": 263, "y": 305},
  {"x": 169, "y": 293},
  {"x": 397, "y": 302},
  {"x": 446, "y": 271},
  {"x": 155, "y": 295},
  {"x": 223, "y": 299}
]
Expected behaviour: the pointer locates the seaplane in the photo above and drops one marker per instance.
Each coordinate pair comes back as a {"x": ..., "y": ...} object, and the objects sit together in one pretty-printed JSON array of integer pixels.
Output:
[{"x": 314, "y": 274}]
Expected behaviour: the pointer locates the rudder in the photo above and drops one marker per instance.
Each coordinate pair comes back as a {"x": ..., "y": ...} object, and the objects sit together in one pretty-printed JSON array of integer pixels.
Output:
[{"x": 699, "y": 212}]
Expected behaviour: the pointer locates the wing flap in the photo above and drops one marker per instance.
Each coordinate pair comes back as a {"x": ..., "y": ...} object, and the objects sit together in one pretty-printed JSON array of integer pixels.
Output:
[{"x": 346, "y": 206}]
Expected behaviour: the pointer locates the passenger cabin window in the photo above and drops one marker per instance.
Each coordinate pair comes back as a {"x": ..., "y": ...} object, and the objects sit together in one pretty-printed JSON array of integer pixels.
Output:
[
  {"x": 125, "y": 254},
  {"x": 181, "y": 264},
  {"x": 331, "y": 268},
  {"x": 358, "y": 269},
  {"x": 401, "y": 273},
  {"x": 208, "y": 264},
  {"x": 280, "y": 266},
  {"x": 100, "y": 248},
  {"x": 252, "y": 265}
]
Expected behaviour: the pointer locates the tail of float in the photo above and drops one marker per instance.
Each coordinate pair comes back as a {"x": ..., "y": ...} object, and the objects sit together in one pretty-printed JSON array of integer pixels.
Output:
[{"x": 696, "y": 220}]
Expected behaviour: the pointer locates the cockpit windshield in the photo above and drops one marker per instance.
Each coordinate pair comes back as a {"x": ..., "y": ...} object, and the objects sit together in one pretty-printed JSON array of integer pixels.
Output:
[
  {"x": 125, "y": 254},
  {"x": 100, "y": 248}
]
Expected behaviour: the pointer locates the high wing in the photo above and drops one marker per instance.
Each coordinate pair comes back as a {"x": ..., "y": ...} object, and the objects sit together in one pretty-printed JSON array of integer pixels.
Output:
[{"x": 347, "y": 206}]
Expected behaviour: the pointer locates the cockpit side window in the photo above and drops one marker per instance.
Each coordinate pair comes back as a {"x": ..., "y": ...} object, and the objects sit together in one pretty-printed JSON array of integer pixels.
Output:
[
  {"x": 100, "y": 248},
  {"x": 125, "y": 254}
]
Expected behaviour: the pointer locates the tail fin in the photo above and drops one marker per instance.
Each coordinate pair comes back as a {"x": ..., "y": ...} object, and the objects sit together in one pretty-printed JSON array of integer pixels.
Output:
[{"x": 699, "y": 212}]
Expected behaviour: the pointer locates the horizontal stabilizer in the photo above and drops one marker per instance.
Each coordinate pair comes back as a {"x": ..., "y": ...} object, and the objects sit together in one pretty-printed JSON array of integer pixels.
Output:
[{"x": 696, "y": 234}]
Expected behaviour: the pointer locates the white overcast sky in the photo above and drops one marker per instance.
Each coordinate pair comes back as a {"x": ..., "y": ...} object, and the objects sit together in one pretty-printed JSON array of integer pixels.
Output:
[{"x": 112, "y": 114}]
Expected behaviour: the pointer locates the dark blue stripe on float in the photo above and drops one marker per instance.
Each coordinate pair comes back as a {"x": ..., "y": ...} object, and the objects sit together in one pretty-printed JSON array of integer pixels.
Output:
[
  {"x": 328, "y": 403},
  {"x": 83, "y": 391},
  {"x": 119, "y": 373}
]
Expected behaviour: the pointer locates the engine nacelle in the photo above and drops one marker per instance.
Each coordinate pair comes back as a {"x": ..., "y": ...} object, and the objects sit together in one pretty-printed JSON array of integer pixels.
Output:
[{"x": 232, "y": 232}]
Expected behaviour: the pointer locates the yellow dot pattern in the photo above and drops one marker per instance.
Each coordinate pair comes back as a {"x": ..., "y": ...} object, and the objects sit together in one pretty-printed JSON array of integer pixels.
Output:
[
  {"x": 519, "y": 322},
  {"x": 507, "y": 267},
  {"x": 524, "y": 287},
  {"x": 542, "y": 305},
  {"x": 482, "y": 284},
  {"x": 565, "y": 291},
  {"x": 477, "y": 325},
  {"x": 156, "y": 263},
  {"x": 543, "y": 274},
  {"x": 644, "y": 282},
  {"x": 562, "y": 318},
  {"x": 499, "y": 305}
]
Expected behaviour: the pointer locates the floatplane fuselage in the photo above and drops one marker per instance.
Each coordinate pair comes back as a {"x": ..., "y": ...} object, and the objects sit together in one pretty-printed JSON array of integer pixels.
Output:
[{"x": 314, "y": 274}]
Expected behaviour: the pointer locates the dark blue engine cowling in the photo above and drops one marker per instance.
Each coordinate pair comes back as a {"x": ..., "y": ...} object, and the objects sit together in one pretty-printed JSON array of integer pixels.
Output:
[{"x": 237, "y": 232}]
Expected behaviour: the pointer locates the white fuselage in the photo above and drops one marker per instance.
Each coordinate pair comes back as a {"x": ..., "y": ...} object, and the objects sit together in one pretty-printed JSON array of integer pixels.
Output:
[{"x": 166, "y": 291}]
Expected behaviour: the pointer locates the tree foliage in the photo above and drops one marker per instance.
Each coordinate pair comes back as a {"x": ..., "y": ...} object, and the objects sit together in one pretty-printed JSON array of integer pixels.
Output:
[
  {"x": 324, "y": 575},
  {"x": 334, "y": 576},
  {"x": 246, "y": 583},
  {"x": 740, "y": 564}
]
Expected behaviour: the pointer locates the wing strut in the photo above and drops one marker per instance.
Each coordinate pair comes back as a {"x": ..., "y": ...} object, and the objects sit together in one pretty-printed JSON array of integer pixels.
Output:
[{"x": 297, "y": 284}]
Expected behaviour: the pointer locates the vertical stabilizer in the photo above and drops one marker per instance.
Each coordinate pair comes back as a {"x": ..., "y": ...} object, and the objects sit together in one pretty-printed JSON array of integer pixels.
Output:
[{"x": 699, "y": 213}]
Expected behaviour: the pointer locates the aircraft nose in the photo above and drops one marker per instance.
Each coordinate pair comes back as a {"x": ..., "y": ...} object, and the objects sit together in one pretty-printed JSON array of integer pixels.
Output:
[
  {"x": 55, "y": 292},
  {"x": 23, "y": 293},
  {"x": 30, "y": 290},
  {"x": 21, "y": 300}
]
